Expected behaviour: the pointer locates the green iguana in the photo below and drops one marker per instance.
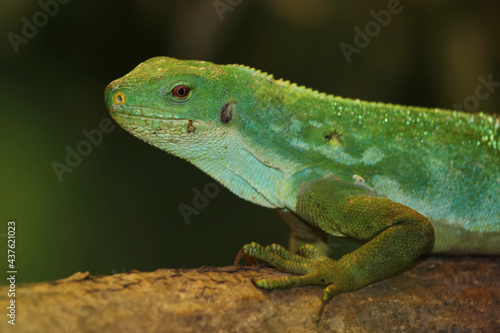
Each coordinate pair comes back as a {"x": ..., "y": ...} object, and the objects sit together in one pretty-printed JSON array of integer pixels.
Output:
[{"x": 406, "y": 180}]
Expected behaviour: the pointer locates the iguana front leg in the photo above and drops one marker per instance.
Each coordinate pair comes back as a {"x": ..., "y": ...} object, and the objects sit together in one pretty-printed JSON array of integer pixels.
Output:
[{"x": 396, "y": 235}]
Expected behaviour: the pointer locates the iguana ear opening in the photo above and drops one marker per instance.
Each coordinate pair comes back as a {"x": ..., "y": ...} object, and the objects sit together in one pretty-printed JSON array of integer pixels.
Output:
[{"x": 226, "y": 112}]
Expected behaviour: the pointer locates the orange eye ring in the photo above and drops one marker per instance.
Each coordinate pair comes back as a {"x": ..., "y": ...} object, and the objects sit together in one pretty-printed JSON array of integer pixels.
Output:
[{"x": 119, "y": 98}]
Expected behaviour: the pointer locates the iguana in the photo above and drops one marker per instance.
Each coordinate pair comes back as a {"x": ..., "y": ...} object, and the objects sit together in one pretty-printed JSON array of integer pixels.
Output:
[{"x": 405, "y": 180}]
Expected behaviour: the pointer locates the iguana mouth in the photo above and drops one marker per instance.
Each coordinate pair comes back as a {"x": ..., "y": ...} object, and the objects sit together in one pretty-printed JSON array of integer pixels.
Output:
[
  {"x": 144, "y": 113},
  {"x": 136, "y": 121}
]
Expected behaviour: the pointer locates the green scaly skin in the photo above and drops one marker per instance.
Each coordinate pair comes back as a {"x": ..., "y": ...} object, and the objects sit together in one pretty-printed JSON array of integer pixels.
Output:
[{"x": 406, "y": 180}]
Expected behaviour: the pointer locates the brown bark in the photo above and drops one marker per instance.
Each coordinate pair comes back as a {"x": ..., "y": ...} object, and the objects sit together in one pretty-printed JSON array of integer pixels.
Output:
[{"x": 444, "y": 294}]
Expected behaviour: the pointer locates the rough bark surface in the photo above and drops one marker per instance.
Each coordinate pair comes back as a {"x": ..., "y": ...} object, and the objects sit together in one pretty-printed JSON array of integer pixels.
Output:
[{"x": 444, "y": 294}]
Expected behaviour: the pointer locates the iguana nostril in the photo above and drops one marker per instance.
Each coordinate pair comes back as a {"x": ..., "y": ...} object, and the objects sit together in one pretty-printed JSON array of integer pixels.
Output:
[
  {"x": 119, "y": 98},
  {"x": 114, "y": 95}
]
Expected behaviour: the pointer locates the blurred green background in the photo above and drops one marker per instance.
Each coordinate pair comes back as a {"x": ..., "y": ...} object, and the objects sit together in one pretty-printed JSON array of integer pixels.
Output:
[{"x": 118, "y": 209}]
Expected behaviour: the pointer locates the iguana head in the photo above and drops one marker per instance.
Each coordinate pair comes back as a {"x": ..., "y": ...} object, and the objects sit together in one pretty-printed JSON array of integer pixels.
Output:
[
  {"x": 178, "y": 106},
  {"x": 196, "y": 110}
]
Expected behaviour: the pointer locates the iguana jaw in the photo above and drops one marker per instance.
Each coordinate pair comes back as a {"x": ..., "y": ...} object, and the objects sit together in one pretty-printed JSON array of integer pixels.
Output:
[
  {"x": 144, "y": 127},
  {"x": 142, "y": 112}
]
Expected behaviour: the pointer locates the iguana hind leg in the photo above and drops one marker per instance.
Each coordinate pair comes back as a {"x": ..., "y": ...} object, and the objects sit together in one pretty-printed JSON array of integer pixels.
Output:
[
  {"x": 396, "y": 235},
  {"x": 302, "y": 233}
]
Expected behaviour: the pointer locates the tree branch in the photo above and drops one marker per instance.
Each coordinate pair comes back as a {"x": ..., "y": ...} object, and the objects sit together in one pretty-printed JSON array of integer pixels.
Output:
[{"x": 449, "y": 294}]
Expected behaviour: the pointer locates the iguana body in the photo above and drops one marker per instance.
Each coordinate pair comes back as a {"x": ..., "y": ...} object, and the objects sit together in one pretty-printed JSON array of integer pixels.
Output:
[{"x": 377, "y": 172}]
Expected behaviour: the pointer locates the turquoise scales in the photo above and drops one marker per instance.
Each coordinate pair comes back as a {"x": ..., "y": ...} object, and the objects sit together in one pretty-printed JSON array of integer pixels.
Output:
[
  {"x": 372, "y": 171},
  {"x": 444, "y": 164}
]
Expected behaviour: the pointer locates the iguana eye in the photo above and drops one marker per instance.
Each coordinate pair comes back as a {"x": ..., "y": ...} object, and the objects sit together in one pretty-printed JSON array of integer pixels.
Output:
[{"x": 180, "y": 91}]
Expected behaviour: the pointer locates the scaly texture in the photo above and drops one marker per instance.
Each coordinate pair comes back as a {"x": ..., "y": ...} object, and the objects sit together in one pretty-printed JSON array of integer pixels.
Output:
[{"x": 390, "y": 175}]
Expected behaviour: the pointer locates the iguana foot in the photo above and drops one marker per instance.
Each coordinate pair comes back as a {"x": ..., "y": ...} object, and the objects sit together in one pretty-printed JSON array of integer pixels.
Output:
[{"x": 312, "y": 267}]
